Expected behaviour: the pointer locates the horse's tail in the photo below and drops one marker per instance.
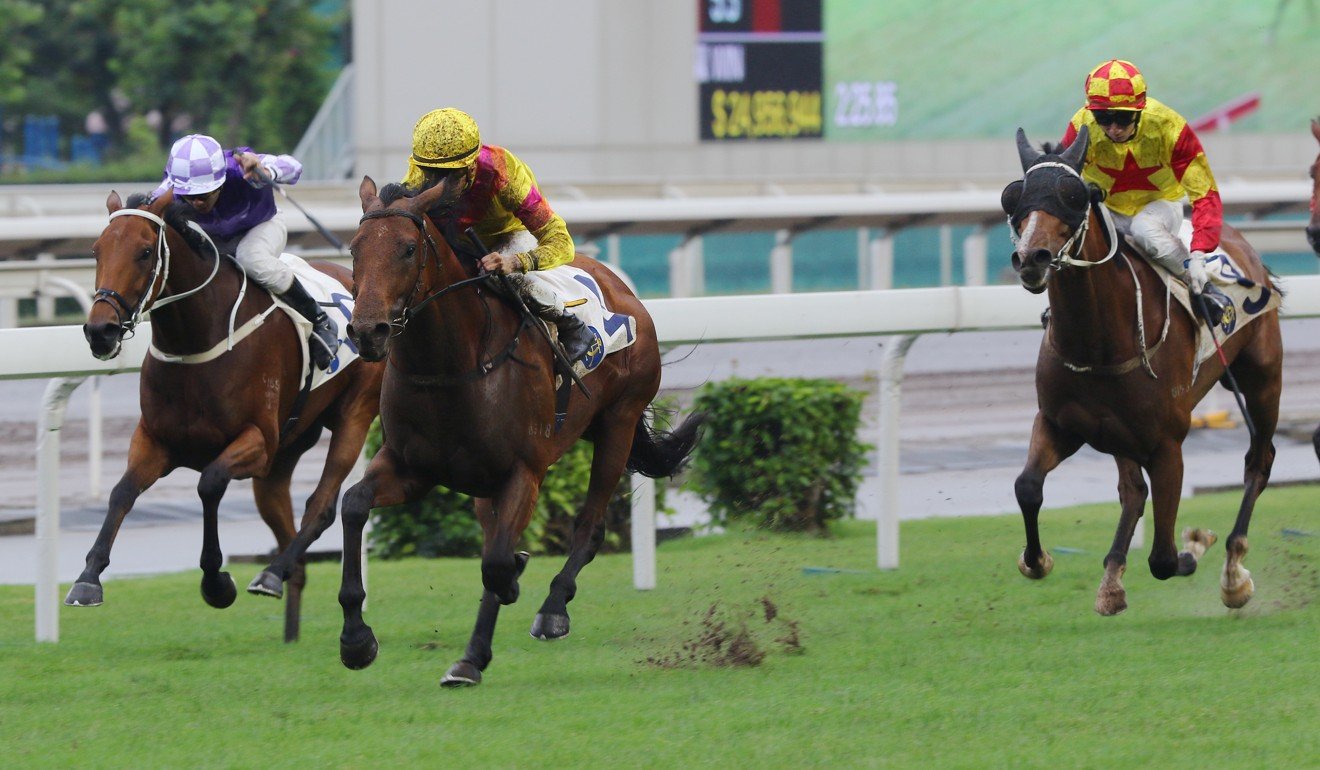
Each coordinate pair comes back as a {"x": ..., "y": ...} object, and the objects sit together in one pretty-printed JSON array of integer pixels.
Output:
[{"x": 657, "y": 452}]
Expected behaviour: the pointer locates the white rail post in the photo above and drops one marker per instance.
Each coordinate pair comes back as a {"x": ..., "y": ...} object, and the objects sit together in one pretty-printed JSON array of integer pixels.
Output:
[
  {"x": 946, "y": 255},
  {"x": 891, "y": 382},
  {"x": 49, "y": 423},
  {"x": 882, "y": 261},
  {"x": 975, "y": 249},
  {"x": 781, "y": 263},
  {"x": 643, "y": 532},
  {"x": 687, "y": 269},
  {"x": 84, "y": 298}
]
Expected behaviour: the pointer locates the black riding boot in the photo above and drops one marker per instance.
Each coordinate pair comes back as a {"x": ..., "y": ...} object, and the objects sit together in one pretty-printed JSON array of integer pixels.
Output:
[
  {"x": 324, "y": 340},
  {"x": 1216, "y": 303},
  {"x": 574, "y": 335}
]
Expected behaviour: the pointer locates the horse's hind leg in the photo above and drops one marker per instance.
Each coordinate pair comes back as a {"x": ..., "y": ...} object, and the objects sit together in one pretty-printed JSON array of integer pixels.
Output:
[
  {"x": 276, "y": 508},
  {"x": 147, "y": 462},
  {"x": 608, "y": 458},
  {"x": 1132, "y": 491},
  {"x": 1049, "y": 447},
  {"x": 1258, "y": 374},
  {"x": 241, "y": 459}
]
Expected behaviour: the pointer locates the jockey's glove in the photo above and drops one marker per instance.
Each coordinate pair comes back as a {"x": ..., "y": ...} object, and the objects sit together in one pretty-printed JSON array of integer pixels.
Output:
[{"x": 1197, "y": 275}]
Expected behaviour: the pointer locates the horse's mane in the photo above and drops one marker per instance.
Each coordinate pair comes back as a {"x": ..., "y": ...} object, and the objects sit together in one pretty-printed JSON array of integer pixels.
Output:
[{"x": 394, "y": 191}]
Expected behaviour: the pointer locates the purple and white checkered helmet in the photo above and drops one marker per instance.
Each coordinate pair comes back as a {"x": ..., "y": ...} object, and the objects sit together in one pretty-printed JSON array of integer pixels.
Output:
[{"x": 196, "y": 165}]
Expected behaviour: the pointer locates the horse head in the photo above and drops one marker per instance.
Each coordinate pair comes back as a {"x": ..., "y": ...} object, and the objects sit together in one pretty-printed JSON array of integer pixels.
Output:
[
  {"x": 1313, "y": 229},
  {"x": 129, "y": 255},
  {"x": 390, "y": 253},
  {"x": 1047, "y": 209}
]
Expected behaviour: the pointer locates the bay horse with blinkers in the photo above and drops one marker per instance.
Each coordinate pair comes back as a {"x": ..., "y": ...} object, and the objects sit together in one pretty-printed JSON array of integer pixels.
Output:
[
  {"x": 468, "y": 402},
  {"x": 1116, "y": 367},
  {"x": 227, "y": 417}
]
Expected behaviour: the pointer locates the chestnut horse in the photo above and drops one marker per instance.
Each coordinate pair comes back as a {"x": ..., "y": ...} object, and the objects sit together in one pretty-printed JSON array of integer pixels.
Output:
[
  {"x": 1107, "y": 375},
  {"x": 225, "y": 417},
  {"x": 468, "y": 402}
]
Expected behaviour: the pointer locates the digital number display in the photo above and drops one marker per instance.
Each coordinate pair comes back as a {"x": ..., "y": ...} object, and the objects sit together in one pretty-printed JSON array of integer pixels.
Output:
[{"x": 759, "y": 66}]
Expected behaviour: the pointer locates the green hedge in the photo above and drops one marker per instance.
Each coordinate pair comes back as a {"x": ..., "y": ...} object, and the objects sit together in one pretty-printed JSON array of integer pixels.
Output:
[
  {"x": 444, "y": 524},
  {"x": 779, "y": 453}
]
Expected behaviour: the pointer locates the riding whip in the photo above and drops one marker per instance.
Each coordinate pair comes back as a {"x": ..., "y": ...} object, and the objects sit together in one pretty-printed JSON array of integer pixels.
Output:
[
  {"x": 320, "y": 228},
  {"x": 527, "y": 314},
  {"x": 1237, "y": 392}
]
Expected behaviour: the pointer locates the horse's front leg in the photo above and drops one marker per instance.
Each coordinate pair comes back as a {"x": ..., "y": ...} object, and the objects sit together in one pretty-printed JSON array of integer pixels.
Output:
[
  {"x": 246, "y": 456},
  {"x": 147, "y": 462},
  {"x": 503, "y": 520},
  {"x": 1132, "y": 491},
  {"x": 384, "y": 484},
  {"x": 1050, "y": 445},
  {"x": 1261, "y": 393}
]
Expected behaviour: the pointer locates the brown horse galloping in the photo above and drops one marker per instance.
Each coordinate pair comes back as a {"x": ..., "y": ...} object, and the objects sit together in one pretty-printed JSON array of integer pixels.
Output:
[
  {"x": 1105, "y": 378},
  {"x": 468, "y": 402},
  {"x": 223, "y": 417}
]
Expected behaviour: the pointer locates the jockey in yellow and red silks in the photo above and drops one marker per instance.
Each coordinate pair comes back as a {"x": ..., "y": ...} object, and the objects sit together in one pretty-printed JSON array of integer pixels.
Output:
[
  {"x": 1146, "y": 157},
  {"x": 494, "y": 192}
]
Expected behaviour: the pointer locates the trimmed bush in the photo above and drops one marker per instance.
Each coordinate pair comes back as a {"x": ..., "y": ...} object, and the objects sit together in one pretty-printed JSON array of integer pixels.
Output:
[
  {"x": 444, "y": 524},
  {"x": 779, "y": 453}
]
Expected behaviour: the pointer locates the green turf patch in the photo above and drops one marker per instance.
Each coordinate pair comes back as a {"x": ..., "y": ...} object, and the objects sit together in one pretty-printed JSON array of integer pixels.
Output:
[{"x": 755, "y": 650}]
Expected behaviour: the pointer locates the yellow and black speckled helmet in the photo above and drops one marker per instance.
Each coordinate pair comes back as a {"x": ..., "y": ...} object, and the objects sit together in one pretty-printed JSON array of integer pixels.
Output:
[{"x": 446, "y": 138}]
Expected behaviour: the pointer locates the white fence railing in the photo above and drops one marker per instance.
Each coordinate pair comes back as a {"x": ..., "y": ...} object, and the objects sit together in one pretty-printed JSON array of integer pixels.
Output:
[{"x": 60, "y": 352}]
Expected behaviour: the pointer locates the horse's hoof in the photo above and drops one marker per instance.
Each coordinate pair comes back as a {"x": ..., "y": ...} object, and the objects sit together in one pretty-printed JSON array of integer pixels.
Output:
[
  {"x": 1197, "y": 541},
  {"x": 1110, "y": 603},
  {"x": 266, "y": 584},
  {"x": 219, "y": 590},
  {"x": 461, "y": 674},
  {"x": 549, "y": 627},
  {"x": 1046, "y": 564},
  {"x": 358, "y": 653},
  {"x": 1236, "y": 597},
  {"x": 85, "y": 595}
]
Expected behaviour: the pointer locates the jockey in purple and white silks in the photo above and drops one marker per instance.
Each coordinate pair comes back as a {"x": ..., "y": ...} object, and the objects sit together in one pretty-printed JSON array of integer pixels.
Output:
[{"x": 236, "y": 207}]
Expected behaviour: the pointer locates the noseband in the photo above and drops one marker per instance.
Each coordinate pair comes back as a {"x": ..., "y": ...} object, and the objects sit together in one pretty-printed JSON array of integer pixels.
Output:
[
  {"x": 1071, "y": 249},
  {"x": 121, "y": 306},
  {"x": 410, "y": 310}
]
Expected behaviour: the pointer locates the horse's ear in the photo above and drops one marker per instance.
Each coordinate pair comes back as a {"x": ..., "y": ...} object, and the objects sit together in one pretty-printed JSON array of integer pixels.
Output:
[
  {"x": 1076, "y": 152},
  {"x": 367, "y": 194},
  {"x": 1315, "y": 128},
  {"x": 159, "y": 205},
  {"x": 113, "y": 203},
  {"x": 1026, "y": 153},
  {"x": 428, "y": 198}
]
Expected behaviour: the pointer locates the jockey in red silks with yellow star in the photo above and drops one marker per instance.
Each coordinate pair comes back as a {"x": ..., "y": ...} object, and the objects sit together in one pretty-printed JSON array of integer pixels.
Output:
[{"x": 1146, "y": 158}]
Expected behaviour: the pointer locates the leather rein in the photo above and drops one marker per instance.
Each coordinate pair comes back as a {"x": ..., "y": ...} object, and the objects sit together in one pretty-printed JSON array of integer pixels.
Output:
[{"x": 410, "y": 310}]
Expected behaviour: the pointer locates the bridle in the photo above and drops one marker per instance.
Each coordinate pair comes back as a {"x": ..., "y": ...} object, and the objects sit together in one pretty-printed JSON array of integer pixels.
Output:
[
  {"x": 410, "y": 310},
  {"x": 161, "y": 271},
  {"x": 1068, "y": 253}
]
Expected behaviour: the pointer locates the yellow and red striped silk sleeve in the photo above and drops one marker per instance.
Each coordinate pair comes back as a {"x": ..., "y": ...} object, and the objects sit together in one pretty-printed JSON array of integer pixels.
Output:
[
  {"x": 1192, "y": 170},
  {"x": 521, "y": 197}
]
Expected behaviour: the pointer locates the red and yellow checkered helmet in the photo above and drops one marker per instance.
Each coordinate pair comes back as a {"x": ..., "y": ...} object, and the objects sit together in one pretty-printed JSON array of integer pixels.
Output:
[{"x": 1116, "y": 85}]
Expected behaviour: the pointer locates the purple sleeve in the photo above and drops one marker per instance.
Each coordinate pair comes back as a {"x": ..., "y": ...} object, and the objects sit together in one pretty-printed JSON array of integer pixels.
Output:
[{"x": 284, "y": 169}]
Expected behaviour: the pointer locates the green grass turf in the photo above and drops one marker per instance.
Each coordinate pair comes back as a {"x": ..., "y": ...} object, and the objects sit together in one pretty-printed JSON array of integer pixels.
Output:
[{"x": 953, "y": 660}]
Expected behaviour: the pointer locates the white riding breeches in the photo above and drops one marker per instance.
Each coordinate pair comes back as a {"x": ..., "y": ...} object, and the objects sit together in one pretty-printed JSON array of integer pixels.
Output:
[
  {"x": 259, "y": 255},
  {"x": 530, "y": 284},
  {"x": 1155, "y": 229}
]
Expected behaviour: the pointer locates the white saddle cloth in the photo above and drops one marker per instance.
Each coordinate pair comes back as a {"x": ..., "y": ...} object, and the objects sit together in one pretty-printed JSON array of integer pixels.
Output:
[{"x": 583, "y": 298}]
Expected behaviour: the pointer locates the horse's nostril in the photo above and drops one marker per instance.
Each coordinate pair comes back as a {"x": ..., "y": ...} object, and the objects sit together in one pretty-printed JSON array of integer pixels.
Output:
[
  {"x": 1040, "y": 256},
  {"x": 382, "y": 328}
]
